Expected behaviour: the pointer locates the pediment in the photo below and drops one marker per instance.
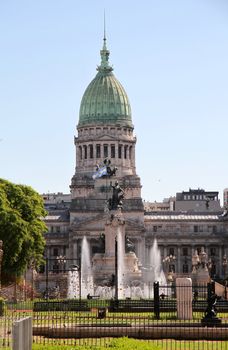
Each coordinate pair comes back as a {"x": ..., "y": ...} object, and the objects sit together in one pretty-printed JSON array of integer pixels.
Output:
[
  {"x": 98, "y": 223},
  {"x": 106, "y": 137},
  {"x": 88, "y": 223}
]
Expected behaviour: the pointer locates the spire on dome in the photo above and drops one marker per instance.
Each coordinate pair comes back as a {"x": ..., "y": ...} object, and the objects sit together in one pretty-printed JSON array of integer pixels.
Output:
[{"x": 104, "y": 66}]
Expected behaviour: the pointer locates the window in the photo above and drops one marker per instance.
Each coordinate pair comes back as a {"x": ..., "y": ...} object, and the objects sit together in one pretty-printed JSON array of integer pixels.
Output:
[
  {"x": 196, "y": 229},
  {"x": 120, "y": 151},
  {"x": 55, "y": 252},
  {"x": 98, "y": 151},
  {"x": 125, "y": 152},
  {"x": 91, "y": 151},
  {"x": 85, "y": 152},
  {"x": 155, "y": 228},
  {"x": 171, "y": 251},
  {"x": 214, "y": 229},
  {"x": 105, "y": 151},
  {"x": 185, "y": 268},
  {"x": 185, "y": 251},
  {"x": 212, "y": 251},
  {"x": 57, "y": 229},
  {"x": 113, "y": 151}
]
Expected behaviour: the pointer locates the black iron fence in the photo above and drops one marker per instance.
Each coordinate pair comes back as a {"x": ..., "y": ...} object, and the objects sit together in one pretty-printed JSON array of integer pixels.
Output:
[{"x": 96, "y": 322}]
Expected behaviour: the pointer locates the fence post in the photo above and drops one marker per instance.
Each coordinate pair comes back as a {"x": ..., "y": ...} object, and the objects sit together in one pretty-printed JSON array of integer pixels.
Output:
[
  {"x": 156, "y": 301},
  {"x": 22, "y": 334}
]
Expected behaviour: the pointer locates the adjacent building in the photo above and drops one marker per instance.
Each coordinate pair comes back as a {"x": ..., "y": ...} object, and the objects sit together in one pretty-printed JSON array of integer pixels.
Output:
[{"x": 225, "y": 198}]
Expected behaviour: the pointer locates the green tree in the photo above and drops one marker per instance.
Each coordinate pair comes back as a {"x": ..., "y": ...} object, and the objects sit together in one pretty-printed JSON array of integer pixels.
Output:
[{"x": 21, "y": 227}]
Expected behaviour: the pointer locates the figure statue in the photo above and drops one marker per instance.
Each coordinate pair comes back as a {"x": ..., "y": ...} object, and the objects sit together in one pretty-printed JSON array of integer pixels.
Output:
[
  {"x": 211, "y": 311},
  {"x": 129, "y": 246},
  {"x": 116, "y": 201}
]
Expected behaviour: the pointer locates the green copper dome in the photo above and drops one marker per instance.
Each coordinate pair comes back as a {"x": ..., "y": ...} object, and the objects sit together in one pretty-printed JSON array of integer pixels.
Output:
[{"x": 105, "y": 100}]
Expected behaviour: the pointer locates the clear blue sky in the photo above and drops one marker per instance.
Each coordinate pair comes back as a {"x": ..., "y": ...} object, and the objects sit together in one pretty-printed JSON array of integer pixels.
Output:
[{"x": 172, "y": 59}]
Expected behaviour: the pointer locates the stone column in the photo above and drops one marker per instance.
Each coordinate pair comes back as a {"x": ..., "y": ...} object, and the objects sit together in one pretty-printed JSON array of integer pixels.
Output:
[
  {"x": 102, "y": 150},
  {"x": 75, "y": 249},
  {"x": 184, "y": 298},
  {"x": 128, "y": 159},
  {"x": 114, "y": 225},
  {"x": 179, "y": 259}
]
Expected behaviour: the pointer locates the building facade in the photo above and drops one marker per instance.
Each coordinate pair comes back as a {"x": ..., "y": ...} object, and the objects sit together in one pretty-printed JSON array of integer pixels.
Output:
[{"x": 105, "y": 133}]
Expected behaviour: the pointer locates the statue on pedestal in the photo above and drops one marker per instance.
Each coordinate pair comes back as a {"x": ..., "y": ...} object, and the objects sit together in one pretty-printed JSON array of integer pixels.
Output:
[
  {"x": 210, "y": 317},
  {"x": 116, "y": 201}
]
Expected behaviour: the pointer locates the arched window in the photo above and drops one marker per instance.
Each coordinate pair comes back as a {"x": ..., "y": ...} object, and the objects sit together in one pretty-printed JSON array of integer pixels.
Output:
[
  {"x": 98, "y": 151},
  {"x": 113, "y": 154},
  {"x": 120, "y": 151},
  {"x": 105, "y": 151},
  {"x": 80, "y": 152},
  {"x": 91, "y": 151},
  {"x": 125, "y": 152},
  {"x": 85, "y": 152}
]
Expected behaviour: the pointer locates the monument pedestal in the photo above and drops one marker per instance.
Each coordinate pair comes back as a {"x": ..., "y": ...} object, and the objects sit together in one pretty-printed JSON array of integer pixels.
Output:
[
  {"x": 211, "y": 322},
  {"x": 104, "y": 264}
]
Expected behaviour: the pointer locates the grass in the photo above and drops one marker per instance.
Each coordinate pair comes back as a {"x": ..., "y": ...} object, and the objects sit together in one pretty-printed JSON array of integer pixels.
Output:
[
  {"x": 119, "y": 343},
  {"x": 134, "y": 344},
  {"x": 68, "y": 318}
]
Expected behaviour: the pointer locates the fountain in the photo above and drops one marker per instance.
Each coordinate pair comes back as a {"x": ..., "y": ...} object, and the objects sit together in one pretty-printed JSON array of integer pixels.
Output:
[
  {"x": 116, "y": 273},
  {"x": 87, "y": 286},
  {"x": 73, "y": 288}
]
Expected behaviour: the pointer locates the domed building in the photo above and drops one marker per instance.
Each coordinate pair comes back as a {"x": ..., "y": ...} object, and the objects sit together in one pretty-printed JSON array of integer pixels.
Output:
[
  {"x": 105, "y": 133},
  {"x": 105, "y": 141}
]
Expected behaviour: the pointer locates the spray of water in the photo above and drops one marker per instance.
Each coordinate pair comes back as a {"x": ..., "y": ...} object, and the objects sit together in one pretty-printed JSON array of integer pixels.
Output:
[
  {"x": 86, "y": 270},
  {"x": 121, "y": 264}
]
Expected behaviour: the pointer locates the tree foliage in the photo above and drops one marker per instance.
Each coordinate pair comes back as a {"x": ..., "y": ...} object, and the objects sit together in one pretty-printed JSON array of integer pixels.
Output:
[{"x": 21, "y": 227}]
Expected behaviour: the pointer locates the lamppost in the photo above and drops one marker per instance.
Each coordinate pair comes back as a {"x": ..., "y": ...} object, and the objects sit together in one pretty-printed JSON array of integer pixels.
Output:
[
  {"x": 61, "y": 260},
  {"x": 169, "y": 259}
]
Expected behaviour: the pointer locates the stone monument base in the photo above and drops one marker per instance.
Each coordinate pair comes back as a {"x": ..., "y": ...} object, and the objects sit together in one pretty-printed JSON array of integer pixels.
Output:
[{"x": 211, "y": 322}]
